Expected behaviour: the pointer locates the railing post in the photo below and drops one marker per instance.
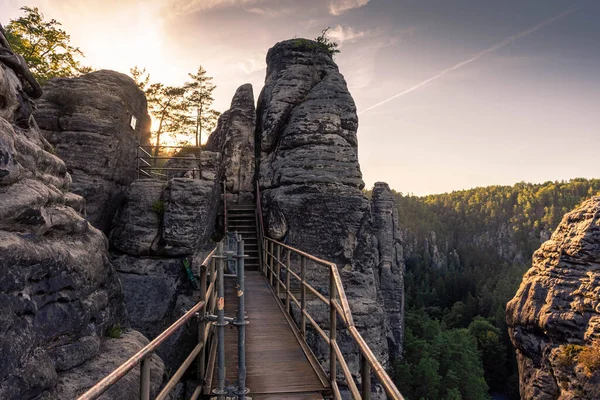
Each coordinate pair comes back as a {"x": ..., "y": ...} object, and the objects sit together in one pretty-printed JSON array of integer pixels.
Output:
[
  {"x": 241, "y": 322},
  {"x": 271, "y": 265},
  {"x": 303, "y": 296},
  {"x": 287, "y": 281},
  {"x": 265, "y": 257},
  {"x": 220, "y": 391},
  {"x": 202, "y": 324},
  {"x": 332, "y": 330},
  {"x": 145, "y": 378},
  {"x": 225, "y": 207},
  {"x": 278, "y": 271},
  {"x": 365, "y": 372}
]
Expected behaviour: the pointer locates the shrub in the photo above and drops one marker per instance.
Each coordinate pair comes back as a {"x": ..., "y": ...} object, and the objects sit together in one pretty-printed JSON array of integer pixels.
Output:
[
  {"x": 114, "y": 331},
  {"x": 589, "y": 357},
  {"x": 159, "y": 207},
  {"x": 565, "y": 357}
]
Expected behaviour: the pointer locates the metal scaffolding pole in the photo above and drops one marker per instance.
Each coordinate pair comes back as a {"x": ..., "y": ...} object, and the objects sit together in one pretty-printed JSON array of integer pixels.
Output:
[
  {"x": 241, "y": 322},
  {"x": 221, "y": 390}
]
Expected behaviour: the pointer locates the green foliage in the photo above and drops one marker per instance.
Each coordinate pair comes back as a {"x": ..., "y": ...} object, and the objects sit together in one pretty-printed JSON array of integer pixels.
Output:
[
  {"x": 159, "y": 207},
  {"x": 329, "y": 45},
  {"x": 439, "y": 362},
  {"x": 566, "y": 355},
  {"x": 589, "y": 357},
  {"x": 141, "y": 77},
  {"x": 44, "y": 45},
  {"x": 199, "y": 99},
  {"x": 114, "y": 331}
]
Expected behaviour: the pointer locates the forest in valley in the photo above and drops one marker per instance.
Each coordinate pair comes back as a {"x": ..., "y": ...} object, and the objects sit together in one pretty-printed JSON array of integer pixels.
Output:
[{"x": 466, "y": 253}]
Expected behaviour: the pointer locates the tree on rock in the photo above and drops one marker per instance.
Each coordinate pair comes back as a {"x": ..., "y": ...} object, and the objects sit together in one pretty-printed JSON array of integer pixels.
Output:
[
  {"x": 330, "y": 45},
  {"x": 44, "y": 45},
  {"x": 199, "y": 100},
  {"x": 141, "y": 77},
  {"x": 167, "y": 104}
]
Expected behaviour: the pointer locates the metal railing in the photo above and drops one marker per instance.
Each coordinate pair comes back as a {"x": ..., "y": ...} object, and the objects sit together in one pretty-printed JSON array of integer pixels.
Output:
[
  {"x": 206, "y": 339},
  {"x": 259, "y": 224},
  {"x": 278, "y": 261},
  {"x": 150, "y": 164}
]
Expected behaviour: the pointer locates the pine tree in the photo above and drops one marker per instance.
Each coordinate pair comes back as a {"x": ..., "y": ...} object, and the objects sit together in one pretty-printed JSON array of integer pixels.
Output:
[{"x": 199, "y": 98}]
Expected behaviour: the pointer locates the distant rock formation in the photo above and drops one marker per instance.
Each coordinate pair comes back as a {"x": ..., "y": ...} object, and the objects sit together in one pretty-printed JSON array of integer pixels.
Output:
[
  {"x": 96, "y": 122},
  {"x": 234, "y": 139},
  {"x": 59, "y": 293},
  {"x": 554, "y": 319},
  {"x": 311, "y": 187}
]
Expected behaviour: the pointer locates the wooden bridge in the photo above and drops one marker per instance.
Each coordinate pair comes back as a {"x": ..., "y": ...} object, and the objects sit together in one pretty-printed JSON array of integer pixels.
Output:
[
  {"x": 279, "y": 366},
  {"x": 261, "y": 351}
]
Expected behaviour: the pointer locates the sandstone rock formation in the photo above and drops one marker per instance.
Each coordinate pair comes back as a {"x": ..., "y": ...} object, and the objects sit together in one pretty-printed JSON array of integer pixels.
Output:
[
  {"x": 58, "y": 290},
  {"x": 96, "y": 122},
  {"x": 234, "y": 140},
  {"x": 554, "y": 319},
  {"x": 311, "y": 188},
  {"x": 159, "y": 225}
]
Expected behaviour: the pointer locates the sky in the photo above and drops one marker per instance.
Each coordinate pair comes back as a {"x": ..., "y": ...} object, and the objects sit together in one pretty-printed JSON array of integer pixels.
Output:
[{"x": 451, "y": 94}]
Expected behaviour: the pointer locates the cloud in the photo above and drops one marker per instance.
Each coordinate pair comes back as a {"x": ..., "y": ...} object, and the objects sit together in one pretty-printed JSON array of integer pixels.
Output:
[
  {"x": 253, "y": 64},
  {"x": 337, "y": 7},
  {"x": 270, "y": 12},
  {"x": 476, "y": 57},
  {"x": 179, "y": 7},
  {"x": 343, "y": 34}
]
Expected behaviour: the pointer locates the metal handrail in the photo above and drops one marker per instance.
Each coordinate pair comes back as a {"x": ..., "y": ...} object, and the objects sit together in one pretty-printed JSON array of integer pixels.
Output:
[
  {"x": 207, "y": 302},
  {"x": 225, "y": 206},
  {"x": 338, "y": 307},
  {"x": 146, "y": 162},
  {"x": 261, "y": 226}
]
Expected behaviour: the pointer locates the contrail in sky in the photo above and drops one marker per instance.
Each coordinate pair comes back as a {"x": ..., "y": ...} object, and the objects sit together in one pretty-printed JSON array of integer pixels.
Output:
[{"x": 476, "y": 57}]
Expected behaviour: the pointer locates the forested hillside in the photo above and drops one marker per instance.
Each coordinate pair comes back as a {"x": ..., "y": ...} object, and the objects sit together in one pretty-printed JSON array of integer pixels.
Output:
[{"x": 466, "y": 253}]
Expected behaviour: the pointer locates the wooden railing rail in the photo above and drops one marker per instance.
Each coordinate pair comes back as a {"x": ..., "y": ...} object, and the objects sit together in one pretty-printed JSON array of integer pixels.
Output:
[
  {"x": 206, "y": 338},
  {"x": 275, "y": 264}
]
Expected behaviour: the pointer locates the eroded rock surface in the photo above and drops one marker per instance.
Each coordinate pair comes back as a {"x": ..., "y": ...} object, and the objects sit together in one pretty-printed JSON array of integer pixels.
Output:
[
  {"x": 88, "y": 120},
  {"x": 234, "y": 139},
  {"x": 311, "y": 188},
  {"x": 59, "y": 292},
  {"x": 160, "y": 226},
  {"x": 554, "y": 319},
  {"x": 110, "y": 352}
]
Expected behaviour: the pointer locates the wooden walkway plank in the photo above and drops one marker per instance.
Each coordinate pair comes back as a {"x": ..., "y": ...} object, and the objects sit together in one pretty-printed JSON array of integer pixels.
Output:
[{"x": 276, "y": 365}]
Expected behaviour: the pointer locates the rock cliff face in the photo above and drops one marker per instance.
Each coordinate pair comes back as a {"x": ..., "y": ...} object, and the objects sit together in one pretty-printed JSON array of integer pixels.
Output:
[
  {"x": 311, "y": 187},
  {"x": 160, "y": 225},
  {"x": 95, "y": 122},
  {"x": 58, "y": 290},
  {"x": 554, "y": 319},
  {"x": 234, "y": 140}
]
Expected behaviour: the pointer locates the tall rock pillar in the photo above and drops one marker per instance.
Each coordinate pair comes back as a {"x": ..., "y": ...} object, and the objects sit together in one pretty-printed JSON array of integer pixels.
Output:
[{"x": 311, "y": 187}]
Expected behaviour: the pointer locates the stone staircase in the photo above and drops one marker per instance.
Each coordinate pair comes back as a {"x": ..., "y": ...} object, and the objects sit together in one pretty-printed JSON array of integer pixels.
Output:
[{"x": 242, "y": 219}]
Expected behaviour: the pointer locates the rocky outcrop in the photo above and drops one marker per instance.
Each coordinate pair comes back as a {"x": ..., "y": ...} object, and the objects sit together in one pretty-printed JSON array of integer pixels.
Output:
[
  {"x": 388, "y": 261},
  {"x": 111, "y": 353},
  {"x": 160, "y": 226},
  {"x": 58, "y": 290},
  {"x": 311, "y": 188},
  {"x": 95, "y": 123},
  {"x": 234, "y": 140},
  {"x": 554, "y": 319}
]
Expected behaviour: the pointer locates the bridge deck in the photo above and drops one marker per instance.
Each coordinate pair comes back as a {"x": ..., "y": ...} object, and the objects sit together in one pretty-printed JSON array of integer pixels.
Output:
[{"x": 277, "y": 366}]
